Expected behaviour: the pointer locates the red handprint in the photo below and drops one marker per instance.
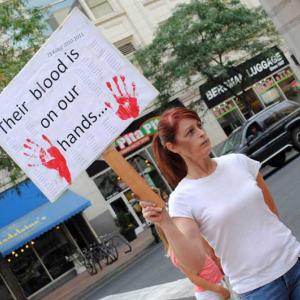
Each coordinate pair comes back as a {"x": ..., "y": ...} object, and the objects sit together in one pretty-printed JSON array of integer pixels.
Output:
[
  {"x": 128, "y": 106},
  {"x": 50, "y": 158}
]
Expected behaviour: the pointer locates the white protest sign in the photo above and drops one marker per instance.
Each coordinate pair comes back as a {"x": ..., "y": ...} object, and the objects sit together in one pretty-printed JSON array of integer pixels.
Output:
[{"x": 69, "y": 102}]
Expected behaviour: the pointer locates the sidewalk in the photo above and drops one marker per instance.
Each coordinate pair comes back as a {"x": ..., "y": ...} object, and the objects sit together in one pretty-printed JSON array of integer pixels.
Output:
[
  {"x": 181, "y": 289},
  {"x": 84, "y": 282}
]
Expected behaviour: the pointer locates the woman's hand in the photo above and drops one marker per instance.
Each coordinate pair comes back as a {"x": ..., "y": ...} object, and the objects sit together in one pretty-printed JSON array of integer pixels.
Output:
[
  {"x": 153, "y": 213},
  {"x": 224, "y": 293}
]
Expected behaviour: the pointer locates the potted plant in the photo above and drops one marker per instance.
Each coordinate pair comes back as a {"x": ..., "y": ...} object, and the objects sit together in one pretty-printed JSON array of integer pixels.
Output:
[{"x": 126, "y": 227}]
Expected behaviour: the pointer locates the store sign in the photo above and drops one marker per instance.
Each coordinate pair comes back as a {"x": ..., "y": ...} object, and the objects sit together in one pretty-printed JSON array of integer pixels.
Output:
[
  {"x": 136, "y": 139},
  {"x": 14, "y": 232},
  {"x": 71, "y": 100},
  {"x": 242, "y": 76}
]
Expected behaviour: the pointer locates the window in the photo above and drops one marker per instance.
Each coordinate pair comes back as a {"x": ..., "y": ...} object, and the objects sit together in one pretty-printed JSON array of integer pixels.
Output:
[
  {"x": 109, "y": 184},
  {"x": 272, "y": 118},
  {"x": 288, "y": 84},
  {"x": 127, "y": 48},
  {"x": 279, "y": 112},
  {"x": 4, "y": 291},
  {"x": 234, "y": 140},
  {"x": 253, "y": 130},
  {"x": 99, "y": 8},
  {"x": 268, "y": 91},
  {"x": 253, "y": 101},
  {"x": 288, "y": 108},
  {"x": 53, "y": 247},
  {"x": 29, "y": 271}
]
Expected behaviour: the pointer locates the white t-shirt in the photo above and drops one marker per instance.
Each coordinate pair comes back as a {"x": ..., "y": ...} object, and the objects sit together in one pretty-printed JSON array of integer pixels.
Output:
[{"x": 254, "y": 246}]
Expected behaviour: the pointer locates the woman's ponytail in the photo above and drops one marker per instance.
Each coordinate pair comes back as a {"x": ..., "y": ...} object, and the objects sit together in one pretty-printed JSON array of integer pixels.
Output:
[{"x": 171, "y": 164}]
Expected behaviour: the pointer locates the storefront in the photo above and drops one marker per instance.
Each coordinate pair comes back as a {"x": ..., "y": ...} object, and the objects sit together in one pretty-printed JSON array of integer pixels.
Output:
[
  {"x": 265, "y": 79},
  {"x": 36, "y": 236},
  {"x": 135, "y": 145}
]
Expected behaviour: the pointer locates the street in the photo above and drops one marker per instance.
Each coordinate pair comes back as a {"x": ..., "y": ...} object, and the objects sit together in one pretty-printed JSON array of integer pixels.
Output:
[
  {"x": 285, "y": 187},
  {"x": 154, "y": 268}
]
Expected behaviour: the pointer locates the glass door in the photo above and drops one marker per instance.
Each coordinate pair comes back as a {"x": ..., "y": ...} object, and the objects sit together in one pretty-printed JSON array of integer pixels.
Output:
[{"x": 120, "y": 205}]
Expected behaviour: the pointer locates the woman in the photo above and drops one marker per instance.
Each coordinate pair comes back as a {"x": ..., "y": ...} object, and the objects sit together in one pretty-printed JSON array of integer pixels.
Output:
[{"x": 226, "y": 201}]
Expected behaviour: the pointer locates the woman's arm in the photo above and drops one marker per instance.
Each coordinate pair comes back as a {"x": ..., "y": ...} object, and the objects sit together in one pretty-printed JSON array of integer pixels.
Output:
[
  {"x": 206, "y": 285},
  {"x": 267, "y": 194},
  {"x": 182, "y": 233}
]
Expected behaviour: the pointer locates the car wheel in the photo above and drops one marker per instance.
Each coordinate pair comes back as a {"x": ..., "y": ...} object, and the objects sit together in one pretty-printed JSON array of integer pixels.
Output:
[
  {"x": 296, "y": 138},
  {"x": 278, "y": 160}
]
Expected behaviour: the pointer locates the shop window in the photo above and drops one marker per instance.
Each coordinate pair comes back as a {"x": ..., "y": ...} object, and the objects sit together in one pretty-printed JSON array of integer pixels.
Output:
[
  {"x": 109, "y": 184},
  {"x": 268, "y": 91},
  {"x": 53, "y": 247},
  {"x": 4, "y": 291},
  {"x": 39, "y": 262},
  {"x": 28, "y": 269},
  {"x": 288, "y": 84},
  {"x": 144, "y": 166},
  {"x": 80, "y": 231},
  {"x": 228, "y": 116},
  {"x": 99, "y": 8},
  {"x": 253, "y": 101}
]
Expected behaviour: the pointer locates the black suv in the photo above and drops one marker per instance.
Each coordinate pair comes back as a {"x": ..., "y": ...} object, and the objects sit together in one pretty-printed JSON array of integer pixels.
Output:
[{"x": 268, "y": 135}]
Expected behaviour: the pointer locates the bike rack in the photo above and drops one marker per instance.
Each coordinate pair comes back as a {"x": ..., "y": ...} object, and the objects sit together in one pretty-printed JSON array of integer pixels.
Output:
[{"x": 115, "y": 236}]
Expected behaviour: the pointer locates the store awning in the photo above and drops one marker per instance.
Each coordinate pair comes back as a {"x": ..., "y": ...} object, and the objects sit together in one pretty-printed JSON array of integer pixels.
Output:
[{"x": 40, "y": 220}]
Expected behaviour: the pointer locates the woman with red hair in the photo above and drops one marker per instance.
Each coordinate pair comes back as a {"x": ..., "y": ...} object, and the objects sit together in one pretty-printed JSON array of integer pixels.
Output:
[{"x": 224, "y": 203}]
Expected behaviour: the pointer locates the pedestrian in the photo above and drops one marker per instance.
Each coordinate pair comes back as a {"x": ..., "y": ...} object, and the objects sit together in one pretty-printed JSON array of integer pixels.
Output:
[
  {"x": 208, "y": 284},
  {"x": 226, "y": 201}
]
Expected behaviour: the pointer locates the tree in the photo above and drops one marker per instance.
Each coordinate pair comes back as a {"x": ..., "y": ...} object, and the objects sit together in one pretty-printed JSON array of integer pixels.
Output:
[
  {"x": 206, "y": 38},
  {"x": 21, "y": 34}
]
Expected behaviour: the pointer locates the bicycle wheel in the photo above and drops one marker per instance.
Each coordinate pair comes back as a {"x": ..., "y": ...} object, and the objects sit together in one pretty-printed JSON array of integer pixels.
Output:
[
  {"x": 90, "y": 267},
  {"x": 113, "y": 251}
]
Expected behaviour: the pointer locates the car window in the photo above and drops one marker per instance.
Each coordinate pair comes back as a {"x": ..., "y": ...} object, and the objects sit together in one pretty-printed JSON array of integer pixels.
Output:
[
  {"x": 288, "y": 108},
  {"x": 279, "y": 112},
  {"x": 254, "y": 130},
  {"x": 233, "y": 141},
  {"x": 272, "y": 117}
]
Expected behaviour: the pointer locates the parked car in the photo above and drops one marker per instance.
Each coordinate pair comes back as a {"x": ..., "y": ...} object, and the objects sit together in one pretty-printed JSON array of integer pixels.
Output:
[{"x": 268, "y": 135}]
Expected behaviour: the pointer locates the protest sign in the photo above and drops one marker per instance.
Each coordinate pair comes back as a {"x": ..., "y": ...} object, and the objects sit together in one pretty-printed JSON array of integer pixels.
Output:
[{"x": 70, "y": 101}]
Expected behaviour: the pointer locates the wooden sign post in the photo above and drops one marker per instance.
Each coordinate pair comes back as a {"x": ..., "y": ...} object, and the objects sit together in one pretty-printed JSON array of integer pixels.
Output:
[{"x": 129, "y": 175}]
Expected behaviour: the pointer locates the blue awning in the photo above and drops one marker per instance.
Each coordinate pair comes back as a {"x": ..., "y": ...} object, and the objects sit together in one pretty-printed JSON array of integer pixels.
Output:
[{"x": 40, "y": 220}]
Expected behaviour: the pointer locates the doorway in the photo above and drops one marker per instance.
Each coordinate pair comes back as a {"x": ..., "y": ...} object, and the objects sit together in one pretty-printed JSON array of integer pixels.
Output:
[{"x": 120, "y": 204}]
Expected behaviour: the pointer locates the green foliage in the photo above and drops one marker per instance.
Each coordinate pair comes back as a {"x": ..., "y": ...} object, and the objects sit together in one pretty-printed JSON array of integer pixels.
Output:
[
  {"x": 20, "y": 37},
  {"x": 198, "y": 39}
]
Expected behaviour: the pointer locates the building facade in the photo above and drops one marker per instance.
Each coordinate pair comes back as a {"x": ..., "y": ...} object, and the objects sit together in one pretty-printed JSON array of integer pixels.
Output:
[{"x": 129, "y": 25}]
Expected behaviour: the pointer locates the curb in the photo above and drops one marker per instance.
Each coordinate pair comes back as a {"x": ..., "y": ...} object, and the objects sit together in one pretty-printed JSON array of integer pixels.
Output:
[{"x": 106, "y": 278}]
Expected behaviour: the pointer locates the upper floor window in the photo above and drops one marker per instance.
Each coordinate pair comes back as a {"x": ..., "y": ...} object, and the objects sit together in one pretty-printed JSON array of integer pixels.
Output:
[
  {"x": 99, "y": 8},
  {"x": 126, "y": 49}
]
